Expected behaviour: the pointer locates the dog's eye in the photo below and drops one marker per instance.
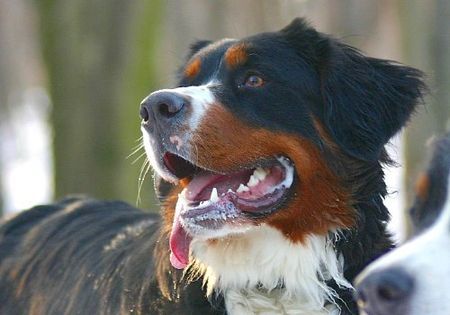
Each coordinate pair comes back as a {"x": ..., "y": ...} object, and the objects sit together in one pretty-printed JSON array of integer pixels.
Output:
[{"x": 254, "y": 81}]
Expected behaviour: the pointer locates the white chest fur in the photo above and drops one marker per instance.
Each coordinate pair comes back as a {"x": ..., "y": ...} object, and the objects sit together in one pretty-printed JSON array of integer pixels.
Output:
[
  {"x": 251, "y": 302},
  {"x": 262, "y": 272}
]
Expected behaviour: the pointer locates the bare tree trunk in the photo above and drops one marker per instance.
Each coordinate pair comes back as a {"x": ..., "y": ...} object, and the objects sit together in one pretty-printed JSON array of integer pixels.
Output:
[
  {"x": 140, "y": 77},
  {"x": 441, "y": 65},
  {"x": 89, "y": 47}
]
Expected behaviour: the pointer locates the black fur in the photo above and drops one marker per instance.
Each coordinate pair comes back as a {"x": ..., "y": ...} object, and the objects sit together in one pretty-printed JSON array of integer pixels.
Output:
[
  {"x": 365, "y": 101},
  {"x": 426, "y": 209},
  {"x": 55, "y": 259}
]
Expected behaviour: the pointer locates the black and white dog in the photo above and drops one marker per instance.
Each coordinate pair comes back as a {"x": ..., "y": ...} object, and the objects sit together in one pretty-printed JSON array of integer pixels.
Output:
[
  {"x": 269, "y": 152},
  {"x": 413, "y": 279}
]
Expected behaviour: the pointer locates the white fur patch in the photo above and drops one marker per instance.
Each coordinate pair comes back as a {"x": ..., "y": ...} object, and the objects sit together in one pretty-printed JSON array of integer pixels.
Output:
[
  {"x": 427, "y": 259},
  {"x": 149, "y": 142},
  {"x": 177, "y": 141},
  {"x": 200, "y": 97},
  {"x": 262, "y": 272}
]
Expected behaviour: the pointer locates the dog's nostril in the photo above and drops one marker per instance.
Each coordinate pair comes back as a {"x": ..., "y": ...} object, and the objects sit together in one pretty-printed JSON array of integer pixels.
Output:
[
  {"x": 389, "y": 293},
  {"x": 394, "y": 288},
  {"x": 144, "y": 113},
  {"x": 170, "y": 109},
  {"x": 162, "y": 106},
  {"x": 386, "y": 290}
]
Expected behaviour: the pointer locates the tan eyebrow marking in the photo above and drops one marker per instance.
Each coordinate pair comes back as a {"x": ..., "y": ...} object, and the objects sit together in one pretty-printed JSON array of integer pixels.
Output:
[
  {"x": 422, "y": 186},
  {"x": 236, "y": 55},
  {"x": 193, "y": 68}
]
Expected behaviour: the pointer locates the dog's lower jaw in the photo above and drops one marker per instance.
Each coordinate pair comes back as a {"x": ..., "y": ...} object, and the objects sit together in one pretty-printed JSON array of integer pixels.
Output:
[{"x": 262, "y": 272}]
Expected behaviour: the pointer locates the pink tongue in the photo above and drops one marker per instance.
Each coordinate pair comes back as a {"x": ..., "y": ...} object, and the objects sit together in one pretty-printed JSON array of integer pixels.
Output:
[{"x": 179, "y": 246}]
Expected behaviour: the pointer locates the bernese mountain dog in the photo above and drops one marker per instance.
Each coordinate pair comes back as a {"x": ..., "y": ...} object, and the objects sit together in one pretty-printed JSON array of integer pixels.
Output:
[
  {"x": 413, "y": 279},
  {"x": 268, "y": 157}
]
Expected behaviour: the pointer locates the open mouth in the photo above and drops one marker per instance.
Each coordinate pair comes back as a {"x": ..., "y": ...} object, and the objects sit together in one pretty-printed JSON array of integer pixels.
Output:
[{"x": 214, "y": 204}]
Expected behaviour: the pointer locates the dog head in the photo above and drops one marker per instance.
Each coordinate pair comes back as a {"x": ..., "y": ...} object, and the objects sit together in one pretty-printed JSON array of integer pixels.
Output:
[
  {"x": 283, "y": 130},
  {"x": 413, "y": 278}
]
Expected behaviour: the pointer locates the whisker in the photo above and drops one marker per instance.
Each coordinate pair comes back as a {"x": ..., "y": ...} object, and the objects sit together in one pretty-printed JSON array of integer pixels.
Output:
[
  {"x": 139, "y": 140},
  {"x": 144, "y": 170},
  {"x": 135, "y": 150},
  {"x": 138, "y": 158}
]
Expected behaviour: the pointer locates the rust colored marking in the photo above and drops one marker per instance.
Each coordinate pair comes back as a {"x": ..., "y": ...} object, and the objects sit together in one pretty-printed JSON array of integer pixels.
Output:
[
  {"x": 422, "y": 186},
  {"x": 324, "y": 135},
  {"x": 319, "y": 203},
  {"x": 193, "y": 68},
  {"x": 236, "y": 55},
  {"x": 183, "y": 183},
  {"x": 161, "y": 252}
]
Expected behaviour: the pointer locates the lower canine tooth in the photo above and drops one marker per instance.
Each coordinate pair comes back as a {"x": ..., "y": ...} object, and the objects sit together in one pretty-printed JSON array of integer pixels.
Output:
[{"x": 214, "y": 195}]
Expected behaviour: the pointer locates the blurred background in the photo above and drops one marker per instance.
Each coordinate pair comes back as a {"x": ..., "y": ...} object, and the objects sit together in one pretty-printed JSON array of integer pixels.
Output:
[{"x": 73, "y": 72}]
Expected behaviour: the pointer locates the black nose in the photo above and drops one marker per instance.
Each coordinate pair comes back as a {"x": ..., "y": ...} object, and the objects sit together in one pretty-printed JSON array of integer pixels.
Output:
[
  {"x": 161, "y": 105},
  {"x": 385, "y": 292}
]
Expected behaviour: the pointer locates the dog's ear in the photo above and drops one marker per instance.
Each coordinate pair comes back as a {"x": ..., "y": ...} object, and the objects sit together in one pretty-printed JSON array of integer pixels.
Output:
[
  {"x": 196, "y": 47},
  {"x": 432, "y": 187},
  {"x": 365, "y": 100},
  {"x": 193, "y": 49}
]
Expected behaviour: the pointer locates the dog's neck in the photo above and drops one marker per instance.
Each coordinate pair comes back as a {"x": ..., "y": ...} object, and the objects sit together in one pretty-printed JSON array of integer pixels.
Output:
[{"x": 264, "y": 272}]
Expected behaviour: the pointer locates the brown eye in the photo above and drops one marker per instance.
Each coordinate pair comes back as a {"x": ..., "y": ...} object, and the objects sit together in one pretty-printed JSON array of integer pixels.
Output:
[{"x": 254, "y": 81}]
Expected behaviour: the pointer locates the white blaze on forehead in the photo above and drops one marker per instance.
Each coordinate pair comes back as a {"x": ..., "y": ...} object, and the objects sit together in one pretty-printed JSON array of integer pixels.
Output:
[{"x": 200, "y": 98}]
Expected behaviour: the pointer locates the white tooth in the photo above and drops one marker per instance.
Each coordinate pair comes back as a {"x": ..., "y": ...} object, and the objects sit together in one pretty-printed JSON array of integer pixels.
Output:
[
  {"x": 260, "y": 173},
  {"x": 230, "y": 190},
  {"x": 242, "y": 188},
  {"x": 214, "y": 195},
  {"x": 253, "y": 181}
]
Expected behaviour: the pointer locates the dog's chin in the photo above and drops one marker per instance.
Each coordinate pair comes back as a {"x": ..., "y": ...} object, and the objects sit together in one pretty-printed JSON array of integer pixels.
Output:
[{"x": 216, "y": 204}]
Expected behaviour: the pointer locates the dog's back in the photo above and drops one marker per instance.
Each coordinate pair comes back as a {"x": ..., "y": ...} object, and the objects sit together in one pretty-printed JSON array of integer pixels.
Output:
[{"x": 98, "y": 254}]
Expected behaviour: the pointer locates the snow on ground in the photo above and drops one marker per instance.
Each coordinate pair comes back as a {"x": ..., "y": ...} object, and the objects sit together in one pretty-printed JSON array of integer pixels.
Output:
[{"x": 25, "y": 153}]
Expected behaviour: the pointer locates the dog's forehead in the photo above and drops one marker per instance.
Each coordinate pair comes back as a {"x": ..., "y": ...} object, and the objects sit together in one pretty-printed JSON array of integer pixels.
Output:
[
  {"x": 204, "y": 63},
  {"x": 265, "y": 50},
  {"x": 215, "y": 50}
]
